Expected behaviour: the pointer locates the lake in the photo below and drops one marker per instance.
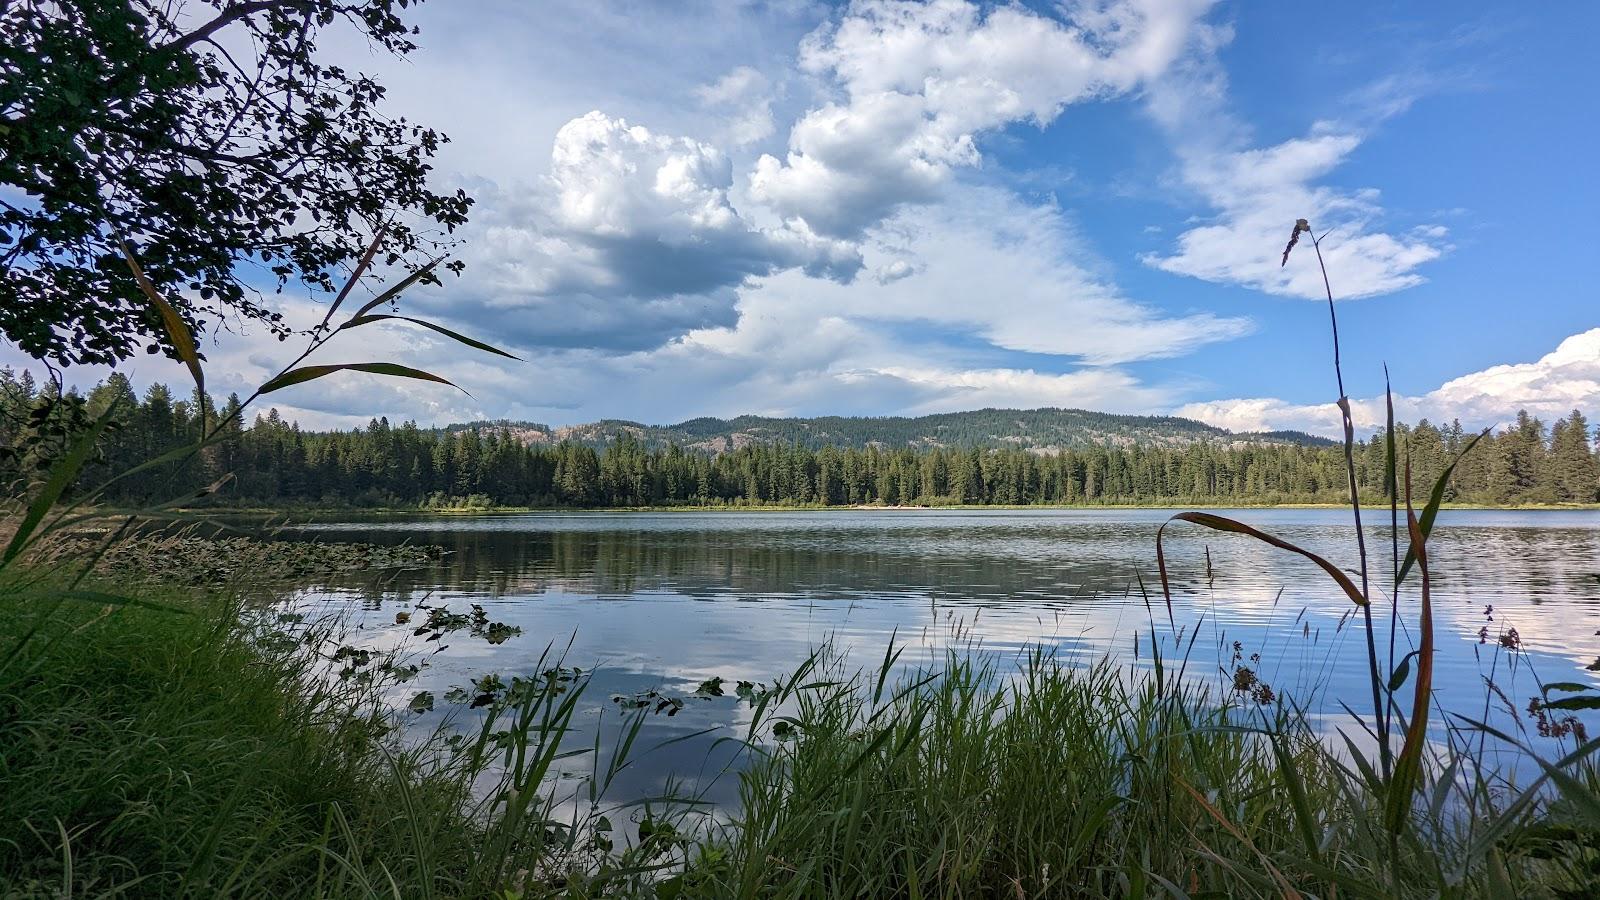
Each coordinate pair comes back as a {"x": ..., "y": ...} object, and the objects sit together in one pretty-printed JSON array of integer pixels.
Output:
[{"x": 664, "y": 601}]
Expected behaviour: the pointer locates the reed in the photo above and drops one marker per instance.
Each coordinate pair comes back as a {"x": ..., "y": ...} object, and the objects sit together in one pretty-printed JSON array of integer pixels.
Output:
[{"x": 995, "y": 777}]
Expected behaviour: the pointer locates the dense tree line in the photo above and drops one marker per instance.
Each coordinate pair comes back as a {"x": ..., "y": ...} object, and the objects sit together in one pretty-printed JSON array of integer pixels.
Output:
[{"x": 276, "y": 462}]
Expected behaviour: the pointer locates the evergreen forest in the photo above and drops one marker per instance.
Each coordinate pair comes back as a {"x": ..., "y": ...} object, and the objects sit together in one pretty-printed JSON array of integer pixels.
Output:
[{"x": 274, "y": 463}]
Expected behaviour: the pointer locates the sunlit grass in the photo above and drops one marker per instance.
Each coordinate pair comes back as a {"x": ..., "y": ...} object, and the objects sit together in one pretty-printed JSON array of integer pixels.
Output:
[{"x": 216, "y": 752}]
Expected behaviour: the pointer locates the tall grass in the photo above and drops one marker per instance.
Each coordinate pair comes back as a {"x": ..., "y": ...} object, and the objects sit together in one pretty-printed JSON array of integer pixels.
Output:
[
  {"x": 210, "y": 754},
  {"x": 1060, "y": 782},
  {"x": 149, "y": 753},
  {"x": 214, "y": 752},
  {"x": 991, "y": 777}
]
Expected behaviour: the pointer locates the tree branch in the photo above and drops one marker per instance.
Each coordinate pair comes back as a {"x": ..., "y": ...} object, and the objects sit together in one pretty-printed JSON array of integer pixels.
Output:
[{"x": 227, "y": 17}]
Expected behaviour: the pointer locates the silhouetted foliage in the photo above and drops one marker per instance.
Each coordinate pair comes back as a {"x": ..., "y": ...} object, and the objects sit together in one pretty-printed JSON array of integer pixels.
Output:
[{"x": 210, "y": 137}]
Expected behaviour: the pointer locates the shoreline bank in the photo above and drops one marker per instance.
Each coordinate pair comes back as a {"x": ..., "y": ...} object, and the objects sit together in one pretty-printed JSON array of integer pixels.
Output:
[{"x": 378, "y": 512}]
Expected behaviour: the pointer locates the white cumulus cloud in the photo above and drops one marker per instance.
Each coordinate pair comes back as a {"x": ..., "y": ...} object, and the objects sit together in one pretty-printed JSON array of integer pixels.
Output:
[
  {"x": 1565, "y": 379},
  {"x": 920, "y": 81},
  {"x": 630, "y": 240},
  {"x": 745, "y": 96}
]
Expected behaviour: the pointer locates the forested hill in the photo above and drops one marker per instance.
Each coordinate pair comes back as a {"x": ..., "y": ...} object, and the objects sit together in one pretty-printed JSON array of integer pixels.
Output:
[
  {"x": 1039, "y": 430},
  {"x": 273, "y": 461}
]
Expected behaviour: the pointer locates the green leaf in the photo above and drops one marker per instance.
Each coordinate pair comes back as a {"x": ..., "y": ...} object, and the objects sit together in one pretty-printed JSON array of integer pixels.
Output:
[
  {"x": 711, "y": 687},
  {"x": 378, "y": 317},
  {"x": 1570, "y": 687},
  {"x": 422, "y": 702},
  {"x": 309, "y": 373},
  {"x": 1401, "y": 672},
  {"x": 1574, "y": 703},
  {"x": 1431, "y": 510}
]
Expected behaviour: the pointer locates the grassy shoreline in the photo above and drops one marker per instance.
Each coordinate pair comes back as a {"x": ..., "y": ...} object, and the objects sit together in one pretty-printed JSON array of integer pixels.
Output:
[{"x": 206, "y": 752}]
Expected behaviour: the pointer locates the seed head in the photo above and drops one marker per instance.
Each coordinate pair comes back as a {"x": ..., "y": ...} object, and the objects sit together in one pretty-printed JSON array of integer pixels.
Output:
[{"x": 1300, "y": 225}]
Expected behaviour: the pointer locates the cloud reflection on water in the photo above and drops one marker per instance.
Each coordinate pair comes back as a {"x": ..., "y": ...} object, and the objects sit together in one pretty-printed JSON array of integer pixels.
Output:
[{"x": 665, "y": 601}]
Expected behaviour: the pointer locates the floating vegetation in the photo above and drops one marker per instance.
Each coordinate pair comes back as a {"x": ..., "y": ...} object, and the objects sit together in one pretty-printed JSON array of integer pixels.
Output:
[
  {"x": 655, "y": 701},
  {"x": 441, "y": 621},
  {"x": 492, "y": 690},
  {"x": 749, "y": 692},
  {"x": 195, "y": 561}
]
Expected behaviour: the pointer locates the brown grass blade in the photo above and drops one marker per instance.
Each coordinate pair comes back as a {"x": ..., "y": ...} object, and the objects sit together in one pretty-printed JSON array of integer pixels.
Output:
[
  {"x": 1287, "y": 889},
  {"x": 1408, "y": 765},
  {"x": 355, "y": 274},
  {"x": 177, "y": 330},
  {"x": 1223, "y": 523},
  {"x": 395, "y": 291}
]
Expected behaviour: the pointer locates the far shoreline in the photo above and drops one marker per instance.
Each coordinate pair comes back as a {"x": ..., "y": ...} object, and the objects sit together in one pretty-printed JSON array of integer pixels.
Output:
[{"x": 354, "y": 512}]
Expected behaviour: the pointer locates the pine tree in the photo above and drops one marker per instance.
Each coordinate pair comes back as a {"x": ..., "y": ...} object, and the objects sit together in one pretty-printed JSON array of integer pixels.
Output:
[
  {"x": 1574, "y": 475},
  {"x": 1524, "y": 455}
]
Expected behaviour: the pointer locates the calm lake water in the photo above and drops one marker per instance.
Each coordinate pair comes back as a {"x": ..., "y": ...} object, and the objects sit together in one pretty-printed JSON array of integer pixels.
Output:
[{"x": 664, "y": 601}]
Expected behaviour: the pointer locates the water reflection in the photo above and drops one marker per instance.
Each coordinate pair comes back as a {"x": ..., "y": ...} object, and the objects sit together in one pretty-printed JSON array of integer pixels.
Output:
[{"x": 665, "y": 601}]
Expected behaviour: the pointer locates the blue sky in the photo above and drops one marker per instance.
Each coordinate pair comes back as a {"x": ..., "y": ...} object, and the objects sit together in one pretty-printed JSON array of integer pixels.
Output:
[{"x": 896, "y": 208}]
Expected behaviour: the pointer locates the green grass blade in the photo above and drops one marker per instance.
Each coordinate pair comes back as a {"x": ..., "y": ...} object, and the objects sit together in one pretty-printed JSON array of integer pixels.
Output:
[
  {"x": 453, "y": 335},
  {"x": 1430, "y": 511},
  {"x": 309, "y": 373}
]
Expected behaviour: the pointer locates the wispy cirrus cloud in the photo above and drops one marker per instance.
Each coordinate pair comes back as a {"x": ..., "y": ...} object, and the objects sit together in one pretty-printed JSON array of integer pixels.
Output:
[
  {"x": 1021, "y": 277},
  {"x": 1257, "y": 192},
  {"x": 1260, "y": 192}
]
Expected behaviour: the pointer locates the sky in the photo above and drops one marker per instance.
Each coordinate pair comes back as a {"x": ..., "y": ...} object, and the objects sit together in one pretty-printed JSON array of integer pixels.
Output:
[{"x": 897, "y": 208}]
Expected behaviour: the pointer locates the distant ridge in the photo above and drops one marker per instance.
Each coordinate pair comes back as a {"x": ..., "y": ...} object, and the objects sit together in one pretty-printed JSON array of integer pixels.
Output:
[{"x": 1038, "y": 430}]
